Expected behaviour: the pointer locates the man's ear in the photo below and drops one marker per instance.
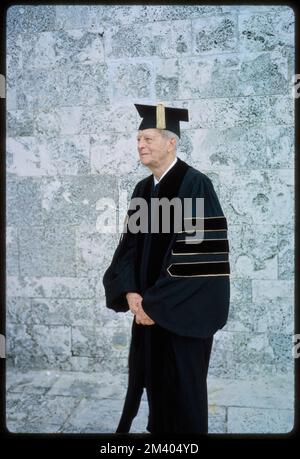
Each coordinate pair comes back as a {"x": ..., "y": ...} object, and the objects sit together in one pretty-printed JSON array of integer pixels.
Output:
[{"x": 173, "y": 141}]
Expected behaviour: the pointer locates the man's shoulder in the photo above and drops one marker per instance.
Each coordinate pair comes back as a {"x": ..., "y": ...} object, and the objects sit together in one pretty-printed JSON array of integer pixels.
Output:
[
  {"x": 140, "y": 185},
  {"x": 143, "y": 181},
  {"x": 198, "y": 176}
]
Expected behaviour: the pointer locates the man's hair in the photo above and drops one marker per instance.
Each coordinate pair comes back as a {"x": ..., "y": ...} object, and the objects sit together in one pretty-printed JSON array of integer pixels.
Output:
[{"x": 170, "y": 135}]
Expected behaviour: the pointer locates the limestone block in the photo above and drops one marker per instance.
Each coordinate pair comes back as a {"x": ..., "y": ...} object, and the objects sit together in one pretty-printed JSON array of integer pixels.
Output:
[
  {"x": 76, "y": 84},
  {"x": 167, "y": 79},
  {"x": 242, "y": 147},
  {"x": 108, "y": 318},
  {"x": 11, "y": 97},
  {"x": 112, "y": 343},
  {"x": 222, "y": 361},
  {"x": 105, "y": 344},
  {"x": 76, "y": 200},
  {"x": 92, "y": 385},
  {"x": 263, "y": 290},
  {"x": 277, "y": 314},
  {"x": 37, "y": 156},
  {"x": 23, "y": 156},
  {"x": 50, "y": 287},
  {"x": 232, "y": 147},
  {"x": 214, "y": 34},
  {"x": 252, "y": 348},
  {"x": 19, "y": 123},
  {"x": 240, "y": 290},
  {"x": 84, "y": 341},
  {"x": 162, "y": 39},
  {"x": 14, "y": 58},
  {"x": 19, "y": 342},
  {"x": 76, "y": 120},
  {"x": 56, "y": 121},
  {"x": 282, "y": 347},
  {"x": 243, "y": 111},
  {"x": 50, "y": 340},
  {"x": 12, "y": 251},
  {"x": 94, "y": 416},
  {"x": 286, "y": 251},
  {"x": 255, "y": 420},
  {"x": 228, "y": 75},
  {"x": 89, "y": 17},
  {"x": 280, "y": 147},
  {"x": 280, "y": 109},
  {"x": 254, "y": 252},
  {"x": 63, "y": 47},
  {"x": 257, "y": 369},
  {"x": 94, "y": 251},
  {"x": 113, "y": 364},
  {"x": 125, "y": 14},
  {"x": 30, "y": 381},
  {"x": 23, "y": 201},
  {"x": 115, "y": 117},
  {"x": 264, "y": 316},
  {"x": 65, "y": 155},
  {"x": 41, "y": 426},
  {"x": 263, "y": 392},
  {"x": 76, "y": 363},
  {"x": 63, "y": 311},
  {"x": 41, "y": 88},
  {"x": 35, "y": 408},
  {"x": 47, "y": 251},
  {"x": 261, "y": 32},
  {"x": 240, "y": 317},
  {"x": 114, "y": 153},
  {"x": 268, "y": 196},
  {"x": 216, "y": 419},
  {"x": 18, "y": 310},
  {"x": 30, "y": 18},
  {"x": 131, "y": 80}
]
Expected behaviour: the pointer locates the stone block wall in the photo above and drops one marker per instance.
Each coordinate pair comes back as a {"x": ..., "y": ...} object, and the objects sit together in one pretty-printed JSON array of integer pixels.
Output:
[{"x": 73, "y": 75}]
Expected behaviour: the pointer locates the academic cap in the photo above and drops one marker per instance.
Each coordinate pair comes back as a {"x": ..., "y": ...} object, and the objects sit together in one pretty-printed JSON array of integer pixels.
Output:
[{"x": 161, "y": 117}]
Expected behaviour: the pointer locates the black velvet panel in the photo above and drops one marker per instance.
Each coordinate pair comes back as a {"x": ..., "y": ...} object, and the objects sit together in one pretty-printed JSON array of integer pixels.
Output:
[
  {"x": 212, "y": 223},
  {"x": 199, "y": 269},
  {"x": 146, "y": 194},
  {"x": 206, "y": 246},
  {"x": 168, "y": 187}
]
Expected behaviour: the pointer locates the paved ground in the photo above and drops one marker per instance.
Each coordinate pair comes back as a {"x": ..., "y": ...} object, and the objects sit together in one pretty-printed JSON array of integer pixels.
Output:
[{"x": 57, "y": 401}]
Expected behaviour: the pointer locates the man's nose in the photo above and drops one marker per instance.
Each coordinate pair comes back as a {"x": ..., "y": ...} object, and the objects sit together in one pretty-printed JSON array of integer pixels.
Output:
[{"x": 141, "y": 144}]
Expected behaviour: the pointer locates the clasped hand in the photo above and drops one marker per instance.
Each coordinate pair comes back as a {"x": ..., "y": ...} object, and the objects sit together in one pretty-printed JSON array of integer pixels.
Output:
[{"x": 135, "y": 305}]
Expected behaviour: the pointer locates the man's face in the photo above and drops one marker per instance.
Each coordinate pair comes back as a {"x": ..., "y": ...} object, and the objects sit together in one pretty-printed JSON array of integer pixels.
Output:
[{"x": 153, "y": 147}]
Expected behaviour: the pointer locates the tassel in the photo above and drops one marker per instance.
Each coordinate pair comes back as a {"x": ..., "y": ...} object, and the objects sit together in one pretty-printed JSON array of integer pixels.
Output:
[{"x": 160, "y": 116}]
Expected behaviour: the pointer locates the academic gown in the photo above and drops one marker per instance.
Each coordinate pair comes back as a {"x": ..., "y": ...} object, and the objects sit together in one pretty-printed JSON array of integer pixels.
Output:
[{"x": 186, "y": 290}]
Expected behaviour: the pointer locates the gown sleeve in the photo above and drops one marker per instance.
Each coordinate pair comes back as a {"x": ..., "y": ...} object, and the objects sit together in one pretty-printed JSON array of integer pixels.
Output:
[
  {"x": 191, "y": 295},
  {"x": 121, "y": 277}
]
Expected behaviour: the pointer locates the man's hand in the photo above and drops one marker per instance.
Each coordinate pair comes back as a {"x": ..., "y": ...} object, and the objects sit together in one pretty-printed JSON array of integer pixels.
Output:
[
  {"x": 134, "y": 300},
  {"x": 142, "y": 318},
  {"x": 135, "y": 305}
]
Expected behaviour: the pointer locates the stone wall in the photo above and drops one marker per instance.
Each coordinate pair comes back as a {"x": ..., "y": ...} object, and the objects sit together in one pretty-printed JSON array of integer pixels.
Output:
[{"x": 73, "y": 75}]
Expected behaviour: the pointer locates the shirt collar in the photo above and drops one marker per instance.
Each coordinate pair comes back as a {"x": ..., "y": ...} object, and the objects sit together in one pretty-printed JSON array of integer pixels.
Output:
[{"x": 170, "y": 167}]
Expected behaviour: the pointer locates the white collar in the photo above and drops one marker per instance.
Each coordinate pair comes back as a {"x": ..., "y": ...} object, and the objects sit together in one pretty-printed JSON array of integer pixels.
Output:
[{"x": 171, "y": 165}]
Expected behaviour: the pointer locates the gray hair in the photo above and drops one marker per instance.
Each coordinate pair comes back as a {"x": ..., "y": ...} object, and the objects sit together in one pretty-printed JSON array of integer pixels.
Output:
[{"x": 170, "y": 135}]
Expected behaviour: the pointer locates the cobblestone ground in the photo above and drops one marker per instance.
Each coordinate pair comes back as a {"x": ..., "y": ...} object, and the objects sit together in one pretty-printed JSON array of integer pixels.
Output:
[{"x": 58, "y": 401}]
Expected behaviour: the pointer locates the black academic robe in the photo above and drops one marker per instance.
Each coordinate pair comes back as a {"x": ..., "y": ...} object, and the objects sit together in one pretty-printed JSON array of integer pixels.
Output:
[{"x": 185, "y": 289}]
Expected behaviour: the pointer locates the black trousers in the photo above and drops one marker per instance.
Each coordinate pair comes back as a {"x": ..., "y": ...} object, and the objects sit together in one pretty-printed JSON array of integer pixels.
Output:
[
  {"x": 177, "y": 382},
  {"x": 173, "y": 369}
]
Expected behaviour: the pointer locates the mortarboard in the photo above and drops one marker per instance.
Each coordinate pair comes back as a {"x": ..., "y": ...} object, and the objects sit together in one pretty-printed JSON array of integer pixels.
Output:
[{"x": 161, "y": 117}]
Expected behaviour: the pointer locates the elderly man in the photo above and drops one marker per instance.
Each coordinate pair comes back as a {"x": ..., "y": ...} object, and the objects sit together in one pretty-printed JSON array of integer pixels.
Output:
[{"x": 177, "y": 287}]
